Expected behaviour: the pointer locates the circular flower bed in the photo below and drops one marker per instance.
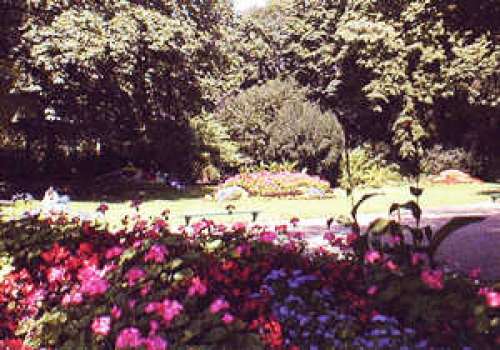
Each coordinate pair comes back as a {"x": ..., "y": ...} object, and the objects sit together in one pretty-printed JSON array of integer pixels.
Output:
[
  {"x": 68, "y": 283},
  {"x": 278, "y": 184}
]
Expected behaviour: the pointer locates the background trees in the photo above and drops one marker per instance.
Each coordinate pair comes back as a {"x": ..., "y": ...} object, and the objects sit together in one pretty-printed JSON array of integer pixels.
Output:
[
  {"x": 130, "y": 78},
  {"x": 402, "y": 67}
]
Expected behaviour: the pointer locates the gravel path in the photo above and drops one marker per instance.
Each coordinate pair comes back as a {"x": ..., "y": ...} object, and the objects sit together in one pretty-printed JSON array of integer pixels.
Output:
[{"x": 474, "y": 246}]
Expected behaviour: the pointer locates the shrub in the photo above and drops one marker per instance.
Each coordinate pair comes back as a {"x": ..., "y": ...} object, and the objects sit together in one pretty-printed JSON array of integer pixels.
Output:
[
  {"x": 216, "y": 152},
  {"x": 304, "y": 134},
  {"x": 268, "y": 184},
  {"x": 438, "y": 159},
  {"x": 250, "y": 114},
  {"x": 274, "y": 122},
  {"x": 273, "y": 167},
  {"x": 368, "y": 169}
]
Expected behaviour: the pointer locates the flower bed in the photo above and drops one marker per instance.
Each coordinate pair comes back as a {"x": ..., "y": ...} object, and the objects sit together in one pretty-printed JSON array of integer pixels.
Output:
[
  {"x": 72, "y": 284},
  {"x": 277, "y": 184}
]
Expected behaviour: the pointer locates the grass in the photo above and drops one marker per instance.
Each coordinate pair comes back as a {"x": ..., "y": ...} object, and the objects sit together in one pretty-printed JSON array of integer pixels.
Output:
[{"x": 275, "y": 209}]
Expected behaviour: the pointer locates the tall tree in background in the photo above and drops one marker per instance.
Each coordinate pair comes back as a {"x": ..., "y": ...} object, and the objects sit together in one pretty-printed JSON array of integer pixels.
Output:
[
  {"x": 393, "y": 63},
  {"x": 118, "y": 71}
]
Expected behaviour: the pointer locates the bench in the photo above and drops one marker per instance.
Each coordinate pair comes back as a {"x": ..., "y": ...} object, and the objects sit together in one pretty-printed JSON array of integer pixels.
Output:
[
  {"x": 254, "y": 213},
  {"x": 495, "y": 197}
]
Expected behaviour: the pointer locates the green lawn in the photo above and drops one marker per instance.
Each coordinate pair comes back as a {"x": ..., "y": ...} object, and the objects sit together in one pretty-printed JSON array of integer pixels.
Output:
[{"x": 434, "y": 196}]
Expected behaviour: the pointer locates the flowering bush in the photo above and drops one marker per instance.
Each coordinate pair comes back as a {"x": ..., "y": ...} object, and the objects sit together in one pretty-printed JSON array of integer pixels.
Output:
[
  {"x": 276, "y": 184},
  {"x": 69, "y": 283}
]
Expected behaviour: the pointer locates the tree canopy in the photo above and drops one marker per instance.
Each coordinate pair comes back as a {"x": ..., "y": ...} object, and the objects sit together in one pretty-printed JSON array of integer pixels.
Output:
[{"x": 127, "y": 73}]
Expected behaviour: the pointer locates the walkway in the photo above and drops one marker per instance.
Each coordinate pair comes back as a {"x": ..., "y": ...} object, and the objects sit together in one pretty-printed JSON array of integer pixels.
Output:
[{"x": 474, "y": 246}]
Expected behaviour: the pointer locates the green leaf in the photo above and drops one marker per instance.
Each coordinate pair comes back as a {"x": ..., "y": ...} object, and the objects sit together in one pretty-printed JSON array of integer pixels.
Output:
[
  {"x": 411, "y": 205},
  {"x": 216, "y": 335},
  {"x": 214, "y": 245},
  {"x": 417, "y": 192},
  {"x": 380, "y": 226},
  {"x": 354, "y": 212}
]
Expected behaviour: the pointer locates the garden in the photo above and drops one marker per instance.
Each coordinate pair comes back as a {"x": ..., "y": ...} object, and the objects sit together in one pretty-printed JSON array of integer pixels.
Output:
[{"x": 207, "y": 175}]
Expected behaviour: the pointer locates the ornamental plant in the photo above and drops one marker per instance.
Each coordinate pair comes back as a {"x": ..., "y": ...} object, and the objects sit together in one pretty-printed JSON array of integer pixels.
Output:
[
  {"x": 73, "y": 283},
  {"x": 276, "y": 184}
]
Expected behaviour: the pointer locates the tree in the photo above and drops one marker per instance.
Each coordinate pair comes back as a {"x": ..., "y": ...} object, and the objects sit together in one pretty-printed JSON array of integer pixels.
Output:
[
  {"x": 116, "y": 71},
  {"x": 392, "y": 63}
]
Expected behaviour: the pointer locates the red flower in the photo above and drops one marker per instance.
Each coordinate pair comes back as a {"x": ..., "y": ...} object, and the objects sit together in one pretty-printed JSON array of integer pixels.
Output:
[
  {"x": 55, "y": 255},
  {"x": 85, "y": 249},
  {"x": 13, "y": 344},
  {"x": 281, "y": 228},
  {"x": 352, "y": 238}
]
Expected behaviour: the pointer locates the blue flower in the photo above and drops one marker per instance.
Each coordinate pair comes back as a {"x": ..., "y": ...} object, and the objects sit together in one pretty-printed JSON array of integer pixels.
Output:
[{"x": 323, "y": 318}]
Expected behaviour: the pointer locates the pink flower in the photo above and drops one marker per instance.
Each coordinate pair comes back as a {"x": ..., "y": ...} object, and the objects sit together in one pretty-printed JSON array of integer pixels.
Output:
[
  {"x": 294, "y": 221},
  {"x": 242, "y": 249},
  {"x": 155, "y": 343},
  {"x": 372, "y": 290},
  {"x": 116, "y": 312},
  {"x": 129, "y": 338},
  {"x": 168, "y": 309},
  {"x": 329, "y": 236},
  {"x": 101, "y": 325},
  {"x": 227, "y": 318},
  {"x": 197, "y": 287},
  {"x": 94, "y": 287},
  {"x": 56, "y": 274},
  {"x": 145, "y": 290},
  {"x": 93, "y": 284},
  {"x": 72, "y": 298},
  {"x": 239, "y": 227},
  {"x": 493, "y": 299},
  {"x": 134, "y": 275},
  {"x": 153, "y": 327},
  {"x": 268, "y": 237},
  {"x": 391, "y": 265},
  {"x": 372, "y": 257},
  {"x": 113, "y": 252},
  {"x": 156, "y": 253},
  {"x": 434, "y": 279},
  {"x": 218, "y": 305}
]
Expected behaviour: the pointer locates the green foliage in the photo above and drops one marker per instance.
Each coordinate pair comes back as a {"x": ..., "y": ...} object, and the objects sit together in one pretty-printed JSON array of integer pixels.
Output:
[
  {"x": 438, "y": 159},
  {"x": 368, "y": 169},
  {"x": 121, "y": 73},
  {"x": 250, "y": 114},
  {"x": 273, "y": 123},
  {"x": 403, "y": 276},
  {"x": 392, "y": 61},
  {"x": 213, "y": 144},
  {"x": 302, "y": 133},
  {"x": 273, "y": 167}
]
